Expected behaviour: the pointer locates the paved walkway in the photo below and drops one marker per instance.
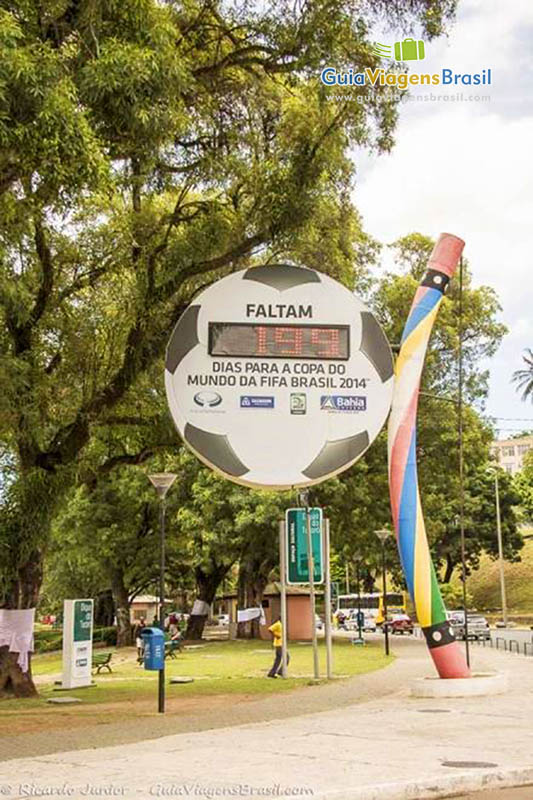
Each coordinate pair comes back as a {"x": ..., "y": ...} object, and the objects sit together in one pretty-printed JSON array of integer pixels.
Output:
[
  {"x": 200, "y": 714},
  {"x": 388, "y": 748}
]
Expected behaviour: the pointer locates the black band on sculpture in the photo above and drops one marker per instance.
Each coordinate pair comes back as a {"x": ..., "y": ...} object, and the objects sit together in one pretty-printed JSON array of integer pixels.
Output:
[
  {"x": 438, "y": 635},
  {"x": 436, "y": 280}
]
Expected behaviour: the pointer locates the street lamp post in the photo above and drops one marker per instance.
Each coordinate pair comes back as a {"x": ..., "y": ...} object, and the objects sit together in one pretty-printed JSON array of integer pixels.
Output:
[
  {"x": 494, "y": 471},
  {"x": 382, "y": 535},
  {"x": 358, "y": 558},
  {"x": 162, "y": 481}
]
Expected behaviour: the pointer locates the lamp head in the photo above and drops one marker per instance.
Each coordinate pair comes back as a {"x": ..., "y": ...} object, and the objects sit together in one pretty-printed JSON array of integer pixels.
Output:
[
  {"x": 162, "y": 481},
  {"x": 383, "y": 534}
]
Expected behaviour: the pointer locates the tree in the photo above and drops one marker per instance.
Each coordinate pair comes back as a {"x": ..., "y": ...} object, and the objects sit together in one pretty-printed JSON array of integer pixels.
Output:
[
  {"x": 480, "y": 524},
  {"x": 148, "y": 148},
  {"x": 112, "y": 529},
  {"x": 481, "y": 335},
  {"x": 524, "y": 377},
  {"x": 226, "y": 525},
  {"x": 523, "y": 483},
  {"x": 359, "y": 501}
]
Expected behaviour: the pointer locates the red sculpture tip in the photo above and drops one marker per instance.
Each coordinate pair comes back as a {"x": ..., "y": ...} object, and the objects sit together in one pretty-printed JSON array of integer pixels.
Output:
[{"x": 446, "y": 253}]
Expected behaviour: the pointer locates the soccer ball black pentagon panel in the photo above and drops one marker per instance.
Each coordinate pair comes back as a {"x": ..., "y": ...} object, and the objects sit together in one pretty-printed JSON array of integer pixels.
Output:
[{"x": 278, "y": 376}]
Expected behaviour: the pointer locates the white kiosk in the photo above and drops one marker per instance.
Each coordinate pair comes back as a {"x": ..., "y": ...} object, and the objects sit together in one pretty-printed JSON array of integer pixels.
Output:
[{"x": 77, "y": 643}]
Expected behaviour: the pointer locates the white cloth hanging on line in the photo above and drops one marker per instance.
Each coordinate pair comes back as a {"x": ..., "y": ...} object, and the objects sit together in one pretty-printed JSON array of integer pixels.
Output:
[
  {"x": 16, "y": 632},
  {"x": 247, "y": 614}
]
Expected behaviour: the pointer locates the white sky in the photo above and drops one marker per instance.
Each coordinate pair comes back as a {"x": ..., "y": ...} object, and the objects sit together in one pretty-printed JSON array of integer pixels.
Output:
[{"x": 467, "y": 168}]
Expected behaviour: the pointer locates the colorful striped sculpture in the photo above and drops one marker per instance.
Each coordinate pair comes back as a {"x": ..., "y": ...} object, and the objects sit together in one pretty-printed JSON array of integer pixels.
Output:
[{"x": 403, "y": 479}]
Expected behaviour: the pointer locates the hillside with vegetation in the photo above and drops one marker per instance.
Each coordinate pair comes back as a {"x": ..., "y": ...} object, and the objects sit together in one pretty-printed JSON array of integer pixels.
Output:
[{"x": 484, "y": 585}]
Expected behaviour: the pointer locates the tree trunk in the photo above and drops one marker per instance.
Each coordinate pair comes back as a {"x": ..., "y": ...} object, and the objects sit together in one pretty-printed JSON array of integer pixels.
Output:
[
  {"x": 104, "y": 609},
  {"x": 122, "y": 608},
  {"x": 23, "y": 593},
  {"x": 14, "y": 682},
  {"x": 25, "y": 525},
  {"x": 207, "y": 585},
  {"x": 252, "y": 581},
  {"x": 450, "y": 566}
]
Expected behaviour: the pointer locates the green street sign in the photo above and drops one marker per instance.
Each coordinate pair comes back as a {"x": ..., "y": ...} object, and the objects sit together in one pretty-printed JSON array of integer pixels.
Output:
[
  {"x": 296, "y": 536},
  {"x": 83, "y": 620}
]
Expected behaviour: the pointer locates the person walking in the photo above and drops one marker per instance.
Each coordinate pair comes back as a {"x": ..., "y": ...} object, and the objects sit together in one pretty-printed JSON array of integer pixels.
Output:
[
  {"x": 276, "y": 629},
  {"x": 139, "y": 643}
]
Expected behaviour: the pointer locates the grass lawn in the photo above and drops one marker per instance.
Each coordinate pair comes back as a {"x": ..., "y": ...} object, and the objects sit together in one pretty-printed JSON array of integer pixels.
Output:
[{"x": 218, "y": 668}]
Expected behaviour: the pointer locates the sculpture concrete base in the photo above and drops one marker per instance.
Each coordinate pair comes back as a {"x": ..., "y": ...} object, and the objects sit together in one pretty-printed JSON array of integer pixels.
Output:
[{"x": 481, "y": 683}]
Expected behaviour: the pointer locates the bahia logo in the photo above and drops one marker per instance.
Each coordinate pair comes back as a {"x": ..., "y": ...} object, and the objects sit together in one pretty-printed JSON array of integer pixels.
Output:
[
  {"x": 339, "y": 402},
  {"x": 207, "y": 399}
]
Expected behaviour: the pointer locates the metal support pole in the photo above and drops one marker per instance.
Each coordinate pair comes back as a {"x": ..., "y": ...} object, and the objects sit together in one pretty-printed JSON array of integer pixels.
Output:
[
  {"x": 500, "y": 549},
  {"x": 311, "y": 567},
  {"x": 359, "y": 626},
  {"x": 327, "y": 603},
  {"x": 161, "y": 695},
  {"x": 347, "y": 579},
  {"x": 283, "y": 588},
  {"x": 461, "y": 462},
  {"x": 385, "y": 609}
]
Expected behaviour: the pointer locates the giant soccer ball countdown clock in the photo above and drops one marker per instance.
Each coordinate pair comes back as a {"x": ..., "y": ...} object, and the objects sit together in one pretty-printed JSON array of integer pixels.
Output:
[{"x": 278, "y": 376}]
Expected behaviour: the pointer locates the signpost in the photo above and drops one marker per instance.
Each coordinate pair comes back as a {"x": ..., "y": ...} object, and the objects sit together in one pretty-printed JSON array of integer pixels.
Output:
[
  {"x": 77, "y": 643},
  {"x": 297, "y": 545},
  {"x": 283, "y": 598},
  {"x": 327, "y": 605}
]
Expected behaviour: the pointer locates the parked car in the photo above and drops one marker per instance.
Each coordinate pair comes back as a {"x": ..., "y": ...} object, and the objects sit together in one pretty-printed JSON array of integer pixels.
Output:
[
  {"x": 369, "y": 624},
  {"x": 478, "y": 627},
  {"x": 401, "y": 623},
  {"x": 318, "y": 623},
  {"x": 455, "y": 616},
  {"x": 223, "y": 620}
]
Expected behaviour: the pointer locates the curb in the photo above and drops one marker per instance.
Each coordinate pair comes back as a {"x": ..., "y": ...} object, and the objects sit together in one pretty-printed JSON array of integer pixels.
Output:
[{"x": 443, "y": 786}]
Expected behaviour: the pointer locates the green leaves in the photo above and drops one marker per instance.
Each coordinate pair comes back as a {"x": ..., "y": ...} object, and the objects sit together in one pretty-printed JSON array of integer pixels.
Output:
[{"x": 146, "y": 149}]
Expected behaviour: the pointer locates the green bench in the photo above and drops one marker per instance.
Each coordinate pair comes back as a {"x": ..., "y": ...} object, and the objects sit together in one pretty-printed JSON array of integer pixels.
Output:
[
  {"x": 101, "y": 660},
  {"x": 172, "y": 647}
]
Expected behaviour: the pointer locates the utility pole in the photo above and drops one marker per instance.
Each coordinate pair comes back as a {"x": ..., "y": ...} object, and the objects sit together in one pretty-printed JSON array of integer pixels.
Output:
[
  {"x": 461, "y": 464},
  {"x": 382, "y": 535},
  {"x": 494, "y": 471}
]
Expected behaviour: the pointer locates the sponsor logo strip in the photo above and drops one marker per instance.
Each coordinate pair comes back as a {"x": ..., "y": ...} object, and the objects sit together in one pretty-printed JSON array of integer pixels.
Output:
[
  {"x": 339, "y": 402},
  {"x": 255, "y": 401}
]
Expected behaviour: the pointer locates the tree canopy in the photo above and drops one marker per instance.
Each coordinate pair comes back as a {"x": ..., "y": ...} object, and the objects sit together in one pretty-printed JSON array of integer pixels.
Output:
[{"x": 146, "y": 149}]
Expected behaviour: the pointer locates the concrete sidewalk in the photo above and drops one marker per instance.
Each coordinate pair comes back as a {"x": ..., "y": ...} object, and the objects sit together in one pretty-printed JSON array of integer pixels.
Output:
[{"x": 389, "y": 748}]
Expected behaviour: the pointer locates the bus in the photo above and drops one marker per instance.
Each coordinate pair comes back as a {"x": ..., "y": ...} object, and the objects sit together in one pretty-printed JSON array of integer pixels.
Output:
[{"x": 372, "y": 604}]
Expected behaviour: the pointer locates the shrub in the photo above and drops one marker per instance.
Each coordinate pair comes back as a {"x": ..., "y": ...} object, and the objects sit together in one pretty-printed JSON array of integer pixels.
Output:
[{"x": 52, "y": 639}]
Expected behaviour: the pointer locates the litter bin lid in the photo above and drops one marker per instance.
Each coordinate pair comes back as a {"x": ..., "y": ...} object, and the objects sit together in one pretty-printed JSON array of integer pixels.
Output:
[{"x": 153, "y": 632}]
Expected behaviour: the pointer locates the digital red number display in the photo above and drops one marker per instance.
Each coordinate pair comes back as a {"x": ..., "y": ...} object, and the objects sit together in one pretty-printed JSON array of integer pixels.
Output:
[{"x": 327, "y": 342}]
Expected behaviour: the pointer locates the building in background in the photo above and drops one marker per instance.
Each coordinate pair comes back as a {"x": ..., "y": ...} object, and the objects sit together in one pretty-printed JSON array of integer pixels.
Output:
[
  {"x": 146, "y": 606},
  {"x": 509, "y": 453},
  {"x": 299, "y": 614}
]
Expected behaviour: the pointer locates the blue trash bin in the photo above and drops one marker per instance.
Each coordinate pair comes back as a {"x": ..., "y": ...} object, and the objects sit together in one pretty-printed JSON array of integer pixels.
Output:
[{"x": 154, "y": 648}]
